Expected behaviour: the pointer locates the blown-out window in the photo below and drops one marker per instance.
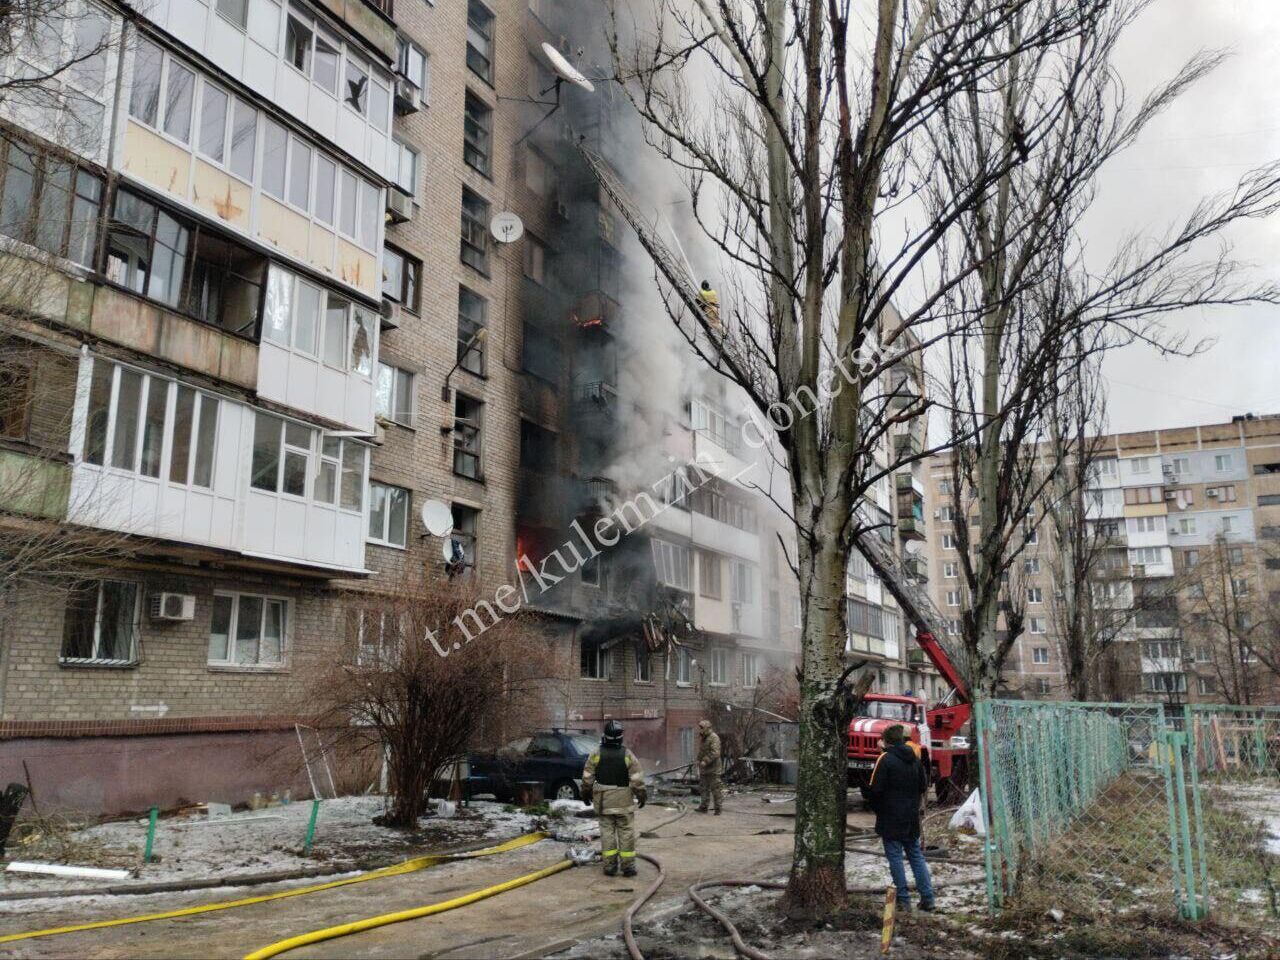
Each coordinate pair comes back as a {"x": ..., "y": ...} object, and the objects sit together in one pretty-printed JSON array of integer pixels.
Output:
[
  {"x": 301, "y": 316},
  {"x": 172, "y": 260},
  {"x": 475, "y": 231},
  {"x": 100, "y": 623}
]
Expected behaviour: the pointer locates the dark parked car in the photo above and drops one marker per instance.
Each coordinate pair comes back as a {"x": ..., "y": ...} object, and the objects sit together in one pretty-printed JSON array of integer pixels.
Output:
[{"x": 554, "y": 758}]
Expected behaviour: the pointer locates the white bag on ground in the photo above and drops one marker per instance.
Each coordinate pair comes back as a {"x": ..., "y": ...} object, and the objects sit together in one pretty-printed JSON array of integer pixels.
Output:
[{"x": 969, "y": 816}]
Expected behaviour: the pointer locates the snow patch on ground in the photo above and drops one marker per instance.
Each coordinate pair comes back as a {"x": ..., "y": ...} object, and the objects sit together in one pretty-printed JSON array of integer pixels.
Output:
[
  {"x": 191, "y": 846},
  {"x": 1258, "y": 801}
]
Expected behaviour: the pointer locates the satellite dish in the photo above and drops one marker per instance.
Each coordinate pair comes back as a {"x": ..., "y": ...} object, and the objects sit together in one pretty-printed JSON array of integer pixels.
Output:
[
  {"x": 566, "y": 70},
  {"x": 506, "y": 227},
  {"x": 437, "y": 518}
]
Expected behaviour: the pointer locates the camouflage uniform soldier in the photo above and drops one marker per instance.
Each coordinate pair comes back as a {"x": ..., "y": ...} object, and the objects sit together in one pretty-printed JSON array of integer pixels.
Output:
[
  {"x": 709, "y": 768},
  {"x": 611, "y": 778}
]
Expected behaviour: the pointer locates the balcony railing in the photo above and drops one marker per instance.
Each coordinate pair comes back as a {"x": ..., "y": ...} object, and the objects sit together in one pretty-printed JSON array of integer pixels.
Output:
[
  {"x": 911, "y": 528},
  {"x": 597, "y": 392}
]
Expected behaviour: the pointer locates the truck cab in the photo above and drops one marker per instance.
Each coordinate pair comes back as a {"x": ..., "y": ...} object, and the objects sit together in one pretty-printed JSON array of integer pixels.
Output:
[{"x": 876, "y": 714}]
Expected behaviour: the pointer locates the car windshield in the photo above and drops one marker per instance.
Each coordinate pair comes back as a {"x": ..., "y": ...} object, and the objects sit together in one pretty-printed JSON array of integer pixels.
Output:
[
  {"x": 887, "y": 710},
  {"x": 584, "y": 745}
]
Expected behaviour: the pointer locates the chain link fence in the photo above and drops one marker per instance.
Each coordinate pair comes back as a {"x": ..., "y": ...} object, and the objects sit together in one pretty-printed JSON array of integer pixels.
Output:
[
  {"x": 1097, "y": 809},
  {"x": 1080, "y": 803},
  {"x": 1233, "y": 763}
]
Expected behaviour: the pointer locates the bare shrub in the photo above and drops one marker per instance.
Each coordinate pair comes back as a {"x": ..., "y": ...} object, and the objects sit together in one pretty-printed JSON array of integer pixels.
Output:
[{"x": 410, "y": 689}]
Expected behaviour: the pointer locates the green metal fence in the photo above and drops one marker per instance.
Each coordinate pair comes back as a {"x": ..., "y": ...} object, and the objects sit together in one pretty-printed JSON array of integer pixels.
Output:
[{"x": 1101, "y": 807}]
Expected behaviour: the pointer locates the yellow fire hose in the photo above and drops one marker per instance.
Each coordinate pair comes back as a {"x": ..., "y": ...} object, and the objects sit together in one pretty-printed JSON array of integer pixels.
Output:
[
  {"x": 408, "y": 866},
  {"x": 357, "y": 926}
]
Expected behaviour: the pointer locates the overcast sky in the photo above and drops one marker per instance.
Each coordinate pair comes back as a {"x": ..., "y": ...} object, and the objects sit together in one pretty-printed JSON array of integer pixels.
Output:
[{"x": 1226, "y": 125}]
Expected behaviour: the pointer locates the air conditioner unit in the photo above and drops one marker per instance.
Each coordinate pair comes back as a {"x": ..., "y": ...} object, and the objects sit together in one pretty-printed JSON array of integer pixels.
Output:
[
  {"x": 408, "y": 96},
  {"x": 1211, "y": 493},
  {"x": 390, "y": 315},
  {"x": 1171, "y": 495},
  {"x": 937, "y": 514},
  {"x": 399, "y": 205},
  {"x": 173, "y": 606}
]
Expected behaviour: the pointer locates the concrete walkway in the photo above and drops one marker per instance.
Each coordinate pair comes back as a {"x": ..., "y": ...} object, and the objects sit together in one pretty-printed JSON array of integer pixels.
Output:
[{"x": 541, "y": 918}]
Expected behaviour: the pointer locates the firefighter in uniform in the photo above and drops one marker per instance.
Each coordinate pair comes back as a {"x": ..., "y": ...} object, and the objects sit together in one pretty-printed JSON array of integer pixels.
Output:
[
  {"x": 709, "y": 768},
  {"x": 611, "y": 778},
  {"x": 710, "y": 305}
]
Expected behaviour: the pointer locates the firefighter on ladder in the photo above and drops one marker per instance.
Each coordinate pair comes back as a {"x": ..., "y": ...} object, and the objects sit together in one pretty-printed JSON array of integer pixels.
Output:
[
  {"x": 711, "y": 306},
  {"x": 611, "y": 778}
]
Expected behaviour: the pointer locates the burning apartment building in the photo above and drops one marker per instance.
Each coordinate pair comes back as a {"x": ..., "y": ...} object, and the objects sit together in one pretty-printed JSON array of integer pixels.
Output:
[{"x": 257, "y": 312}]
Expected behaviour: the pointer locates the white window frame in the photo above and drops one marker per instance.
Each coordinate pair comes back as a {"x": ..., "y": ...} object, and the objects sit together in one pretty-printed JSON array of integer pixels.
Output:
[
  {"x": 752, "y": 670},
  {"x": 719, "y": 672},
  {"x": 385, "y": 538},
  {"x": 1040, "y": 655},
  {"x": 666, "y": 558},
  {"x": 950, "y": 569},
  {"x": 953, "y": 598},
  {"x": 1223, "y": 462},
  {"x": 601, "y": 660},
  {"x": 1035, "y": 595},
  {"x": 1035, "y": 625},
  {"x": 233, "y": 625},
  {"x": 1140, "y": 465},
  {"x": 643, "y": 659},
  {"x": 202, "y": 402},
  {"x": 1031, "y": 565},
  {"x": 684, "y": 667},
  {"x": 404, "y": 418},
  {"x": 948, "y": 541}
]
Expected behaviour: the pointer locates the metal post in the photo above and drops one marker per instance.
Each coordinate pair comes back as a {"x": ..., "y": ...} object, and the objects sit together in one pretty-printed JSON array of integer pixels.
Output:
[
  {"x": 1192, "y": 909},
  {"x": 151, "y": 834},
  {"x": 311, "y": 827},
  {"x": 987, "y": 796},
  {"x": 1193, "y": 756}
]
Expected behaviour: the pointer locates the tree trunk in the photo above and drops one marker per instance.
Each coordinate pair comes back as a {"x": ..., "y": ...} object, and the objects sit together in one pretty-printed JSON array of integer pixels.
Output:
[{"x": 817, "y": 883}]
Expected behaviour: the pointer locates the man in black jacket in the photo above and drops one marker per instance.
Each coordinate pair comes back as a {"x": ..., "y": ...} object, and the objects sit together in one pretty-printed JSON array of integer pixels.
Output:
[{"x": 898, "y": 781}]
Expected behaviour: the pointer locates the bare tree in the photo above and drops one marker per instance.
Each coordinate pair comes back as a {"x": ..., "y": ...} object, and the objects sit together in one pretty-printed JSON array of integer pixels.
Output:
[
  {"x": 396, "y": 695},
  {"x": 1232, "y": 625},
  {"x": 54, "y": 59},
  {"x": 794, "y": 127},
  {"x": 1034, "y": 313}
]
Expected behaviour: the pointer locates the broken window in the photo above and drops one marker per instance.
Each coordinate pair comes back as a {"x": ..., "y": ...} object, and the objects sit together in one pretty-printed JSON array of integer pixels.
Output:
[
  {"x": 480, "y": 40},
  {"x": 247, "y": 630},
  {"x": 475, "y": 231},
  {"x": 473, "y": 315},
  {"x": 466, "y": 521},
  {"x": 467, "y": 426},
  {"x": 355, "y": 94},
  {"x": 393, "y": 394},
  {"x": 476, "y": 133},
  {"x": 400, "y": 274},
  {"x": 100, "y": 624},
  {"x": 200, "y": 273}
]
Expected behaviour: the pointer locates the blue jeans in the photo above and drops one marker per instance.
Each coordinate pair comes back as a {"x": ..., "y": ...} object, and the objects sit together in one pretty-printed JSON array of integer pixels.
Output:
[{"x": 894, "y": 850}]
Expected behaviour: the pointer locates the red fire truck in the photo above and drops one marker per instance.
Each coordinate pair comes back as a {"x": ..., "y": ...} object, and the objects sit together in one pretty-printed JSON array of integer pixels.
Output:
[{"x": 939, "y": 731}]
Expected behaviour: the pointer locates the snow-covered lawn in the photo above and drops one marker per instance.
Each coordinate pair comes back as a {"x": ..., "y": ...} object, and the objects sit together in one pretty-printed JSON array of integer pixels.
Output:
[{"x": 195, "y": 847}]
